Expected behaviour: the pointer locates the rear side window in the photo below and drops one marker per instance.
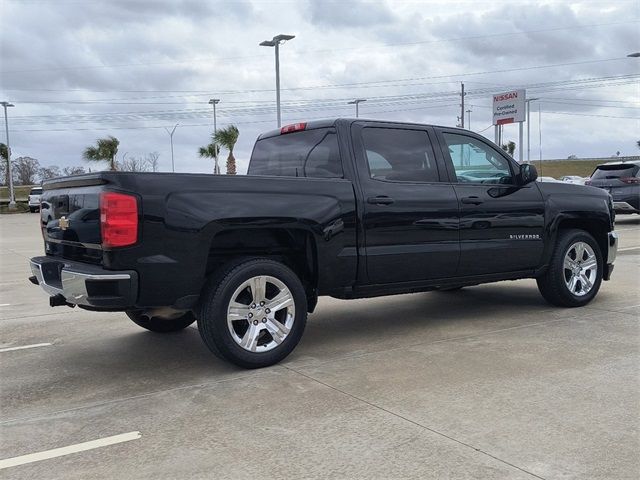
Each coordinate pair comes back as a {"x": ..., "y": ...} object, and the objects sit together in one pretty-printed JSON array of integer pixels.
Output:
[
  {"x": 399, "y": 155},
  {"x": 310, "y": 153},
  {"x": 604, "y": 172}
]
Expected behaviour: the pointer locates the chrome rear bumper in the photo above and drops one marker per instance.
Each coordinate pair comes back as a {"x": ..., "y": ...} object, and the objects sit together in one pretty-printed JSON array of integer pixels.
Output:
[{"x": 84, "y": 284}]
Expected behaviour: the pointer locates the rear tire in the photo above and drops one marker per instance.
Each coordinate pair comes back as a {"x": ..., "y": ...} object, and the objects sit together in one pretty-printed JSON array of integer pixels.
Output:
[
  {"x": 32, "y": 209},
  {"x": 253, "y": 312},
  {"x": 161, "y": 325},
  {"x": 575, "y": 270}
]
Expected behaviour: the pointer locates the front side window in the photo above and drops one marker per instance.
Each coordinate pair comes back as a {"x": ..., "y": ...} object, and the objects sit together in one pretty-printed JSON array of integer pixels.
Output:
[
  {"x": 399, "y": 155},
  {"x": 309, "y": 153},
  {"x": 476, "y": 162}
]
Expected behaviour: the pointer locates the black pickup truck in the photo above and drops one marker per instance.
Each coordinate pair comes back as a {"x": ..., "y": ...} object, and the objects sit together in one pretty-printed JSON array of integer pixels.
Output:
[{"x": 346, "y": 208}]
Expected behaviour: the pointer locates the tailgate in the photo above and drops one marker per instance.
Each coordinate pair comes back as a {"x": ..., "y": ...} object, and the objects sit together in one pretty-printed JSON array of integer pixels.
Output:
[{"x": 70, "y": 216}]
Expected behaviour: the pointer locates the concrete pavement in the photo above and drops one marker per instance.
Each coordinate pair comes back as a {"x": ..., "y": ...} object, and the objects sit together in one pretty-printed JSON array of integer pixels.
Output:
[{"x": 487, "y": 382}]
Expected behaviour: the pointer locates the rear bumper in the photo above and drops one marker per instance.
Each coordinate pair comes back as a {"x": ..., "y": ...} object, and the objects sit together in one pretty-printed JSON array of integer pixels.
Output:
[
  {"x": 85, "y": 285},
  {"x": 612, "y": 252},
  {"x": 624, "y": 207}
]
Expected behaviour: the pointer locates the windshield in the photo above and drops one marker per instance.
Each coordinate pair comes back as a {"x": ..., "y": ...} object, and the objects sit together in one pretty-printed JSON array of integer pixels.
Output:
[
  {"x": 605, "y": 172},
  {"x": 36, "y": 191},
  {"x": 310, "y": 153}
]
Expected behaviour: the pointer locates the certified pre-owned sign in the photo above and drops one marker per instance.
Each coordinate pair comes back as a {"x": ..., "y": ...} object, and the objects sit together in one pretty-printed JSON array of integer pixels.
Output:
[{"x": 508, "y": 107}]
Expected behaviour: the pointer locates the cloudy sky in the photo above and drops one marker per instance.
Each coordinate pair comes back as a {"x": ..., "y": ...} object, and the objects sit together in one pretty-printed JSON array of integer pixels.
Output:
[{"x": 81, "y": 69}]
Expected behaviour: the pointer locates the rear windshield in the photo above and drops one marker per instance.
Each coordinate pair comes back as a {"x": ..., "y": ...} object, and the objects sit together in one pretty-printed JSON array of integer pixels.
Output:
[
  {"x": 604, "y": 172},
  {"x": 36, "y": 191},
  {"x": 310, "y": 153}
]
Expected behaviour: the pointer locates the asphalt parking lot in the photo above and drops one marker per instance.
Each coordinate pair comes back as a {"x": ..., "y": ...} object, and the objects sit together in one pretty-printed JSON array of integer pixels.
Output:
[{"x": 487, "y": 382}]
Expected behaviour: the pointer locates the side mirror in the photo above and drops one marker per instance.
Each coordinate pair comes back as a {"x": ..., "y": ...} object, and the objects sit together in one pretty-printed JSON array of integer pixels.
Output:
[{"x": 528, "y": 173}]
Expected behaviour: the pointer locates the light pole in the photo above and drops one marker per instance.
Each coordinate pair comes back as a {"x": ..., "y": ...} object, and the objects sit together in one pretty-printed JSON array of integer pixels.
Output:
[
  {"x": 12, "y": 195},
  {"x": 216, "y": 168},
  {"x": 275, "y": 42},
  {"x": 528, "y": 108},
  {"x": 357, "y": 102},
  {"x": 634, "y": 55},
  {"x": 540, "y": 134},
  {"x": 173, "y": 166}
]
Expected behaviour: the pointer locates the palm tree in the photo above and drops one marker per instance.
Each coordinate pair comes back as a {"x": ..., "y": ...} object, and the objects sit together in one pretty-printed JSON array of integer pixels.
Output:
[
  {"x": 105, "y": 150},
  {"x": 227, "y": 137},
  {"x": 211, "y": 151}
]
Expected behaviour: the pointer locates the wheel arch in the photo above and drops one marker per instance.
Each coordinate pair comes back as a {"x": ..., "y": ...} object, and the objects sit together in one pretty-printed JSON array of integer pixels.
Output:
[
  {"x": 597, "y": 227},
  {"x": 294, "y": 247}
]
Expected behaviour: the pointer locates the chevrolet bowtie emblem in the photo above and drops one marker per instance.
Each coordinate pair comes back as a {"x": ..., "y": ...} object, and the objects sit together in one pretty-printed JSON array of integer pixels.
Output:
[{"x": 63, "y": 223}]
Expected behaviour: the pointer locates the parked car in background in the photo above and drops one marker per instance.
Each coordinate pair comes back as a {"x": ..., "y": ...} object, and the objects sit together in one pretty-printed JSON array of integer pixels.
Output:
[
  {"x": 548, "y": 180},
  {"x": 574, "y": 179},
  {"x": 622, "y": 181},
  {"x": 34, "y": 199}
]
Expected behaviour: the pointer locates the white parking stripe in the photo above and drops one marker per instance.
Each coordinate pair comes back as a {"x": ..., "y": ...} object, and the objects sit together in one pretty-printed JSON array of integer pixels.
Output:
[
  {"x": 24, "y": 347},
  {"x": 627, "y": 249},
  {"x": 5, "y": 304},
  {"x": 59, "y": 452}
]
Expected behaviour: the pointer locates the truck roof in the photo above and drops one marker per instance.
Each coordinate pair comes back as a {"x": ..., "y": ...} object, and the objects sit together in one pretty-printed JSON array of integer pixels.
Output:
[{"x": 330, "y": 122}]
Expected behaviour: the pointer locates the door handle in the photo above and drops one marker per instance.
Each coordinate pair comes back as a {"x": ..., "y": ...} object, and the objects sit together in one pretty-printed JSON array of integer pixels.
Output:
[
  {"x": 380, "y": 200},
  {"x": 472, "y": 200}
]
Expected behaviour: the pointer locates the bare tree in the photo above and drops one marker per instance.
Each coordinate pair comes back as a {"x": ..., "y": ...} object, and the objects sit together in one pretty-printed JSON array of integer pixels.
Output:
[
  {"x": 68, "y": 171},
  {"x": 25, "y": 170},
  {"x": 4, "y": 155},
  {"x": 152, "y": 161},
  {"x": 134, "y": 164},
  {"x": 49, "y": 172}
]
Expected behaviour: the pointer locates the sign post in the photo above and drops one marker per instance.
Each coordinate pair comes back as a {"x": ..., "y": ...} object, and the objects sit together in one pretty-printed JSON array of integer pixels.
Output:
[{"x": 509, "y": 107}]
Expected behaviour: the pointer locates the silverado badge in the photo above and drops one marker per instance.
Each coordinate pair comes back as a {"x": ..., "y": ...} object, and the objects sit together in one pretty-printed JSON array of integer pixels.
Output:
[{"x": 63, "y": 223}]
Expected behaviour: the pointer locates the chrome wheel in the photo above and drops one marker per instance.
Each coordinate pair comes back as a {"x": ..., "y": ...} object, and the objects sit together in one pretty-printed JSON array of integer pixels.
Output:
[
  {"x": 260, "y": 314},
  {"x": 580, "y": 268}
]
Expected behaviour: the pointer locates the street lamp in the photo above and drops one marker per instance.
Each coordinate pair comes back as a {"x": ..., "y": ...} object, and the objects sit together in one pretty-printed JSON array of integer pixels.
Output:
[
  {"x": 275, "y": 42},
  {"x": 216, "y": 168},
  {"x": 528, "y": 108},
  {"x": 173, "y": 166},
  {"x": 356, "y": 102},
  {"x": 634, "y": 55},
  {"x": 12, "y": 195}
]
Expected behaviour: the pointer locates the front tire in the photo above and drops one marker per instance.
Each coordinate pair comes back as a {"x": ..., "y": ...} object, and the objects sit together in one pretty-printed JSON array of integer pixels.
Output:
[
  {"x": 253, "y": 313},
  {"x": 575, "y": 270},
  {"x": 160, "y": 324}
]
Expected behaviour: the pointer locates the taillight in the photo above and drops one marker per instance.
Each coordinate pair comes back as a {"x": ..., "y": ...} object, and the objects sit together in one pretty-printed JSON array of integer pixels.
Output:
[
  {"x": 630, "y": 180},
  {"x": 294, "y": 127},
  {"x": 118, "y": 219}
]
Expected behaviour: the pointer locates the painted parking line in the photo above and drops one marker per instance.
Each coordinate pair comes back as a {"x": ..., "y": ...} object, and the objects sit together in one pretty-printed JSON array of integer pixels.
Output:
[
  {"x": 24, "y": 347},
  {"x": 60, "y": 452},
  {"x": 628, "y": 248},
  {"x": 5, "y": 304}
]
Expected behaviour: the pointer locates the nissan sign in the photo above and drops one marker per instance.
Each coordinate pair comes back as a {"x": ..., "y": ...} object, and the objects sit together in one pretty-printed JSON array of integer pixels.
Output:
[{"x": 509, "y": 107}]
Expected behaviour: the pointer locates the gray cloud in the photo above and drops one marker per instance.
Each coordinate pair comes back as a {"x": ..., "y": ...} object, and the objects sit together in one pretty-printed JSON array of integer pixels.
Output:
[
  {"x": 356, "y": 13},
  {"x": 139, "y": 66}
]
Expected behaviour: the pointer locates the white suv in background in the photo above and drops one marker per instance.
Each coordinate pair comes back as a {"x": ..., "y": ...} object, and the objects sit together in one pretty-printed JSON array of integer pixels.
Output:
[{"x": 34, "y": 199}]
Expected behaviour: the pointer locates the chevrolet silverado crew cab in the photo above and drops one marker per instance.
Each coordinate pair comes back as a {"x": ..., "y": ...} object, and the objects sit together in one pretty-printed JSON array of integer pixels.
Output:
[{"x": 345, "y": 208}]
